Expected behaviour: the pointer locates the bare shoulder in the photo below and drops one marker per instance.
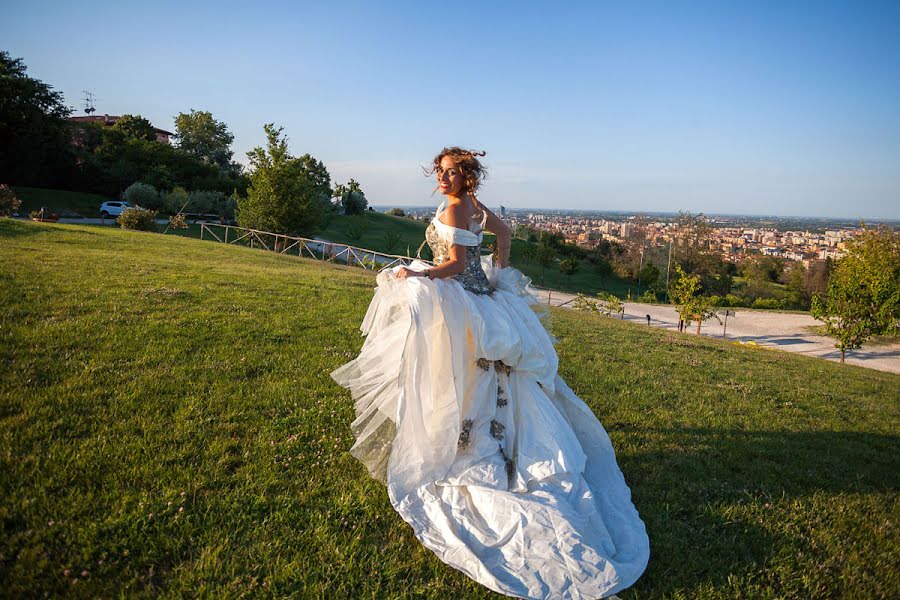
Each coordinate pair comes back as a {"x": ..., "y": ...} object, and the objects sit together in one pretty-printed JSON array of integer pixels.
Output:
[{"x": 456, "y": 216}]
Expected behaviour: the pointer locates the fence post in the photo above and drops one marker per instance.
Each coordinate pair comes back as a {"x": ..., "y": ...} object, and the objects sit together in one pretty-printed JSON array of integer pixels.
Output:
[
  {"x": 226, "y": 233},
  {"x": 202, "y": 228}
]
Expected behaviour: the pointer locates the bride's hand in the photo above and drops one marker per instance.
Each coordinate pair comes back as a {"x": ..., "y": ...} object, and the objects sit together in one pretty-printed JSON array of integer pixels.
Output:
[{"x": 404, "y": 273}]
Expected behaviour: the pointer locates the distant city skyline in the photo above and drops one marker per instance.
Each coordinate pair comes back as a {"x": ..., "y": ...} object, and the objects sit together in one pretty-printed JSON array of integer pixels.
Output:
[{"x": 762, "y": 109}]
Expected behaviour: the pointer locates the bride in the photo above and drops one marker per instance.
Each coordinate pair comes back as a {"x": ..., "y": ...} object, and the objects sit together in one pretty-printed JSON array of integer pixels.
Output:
[{"x": 500, "y": 469}]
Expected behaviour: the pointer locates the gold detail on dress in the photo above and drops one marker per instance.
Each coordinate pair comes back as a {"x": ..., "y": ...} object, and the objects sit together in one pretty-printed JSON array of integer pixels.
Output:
[
  {"x": 497, "y": 429},
  {"x": 472, "y": 278},
  {"x": 465, "y": 433}
]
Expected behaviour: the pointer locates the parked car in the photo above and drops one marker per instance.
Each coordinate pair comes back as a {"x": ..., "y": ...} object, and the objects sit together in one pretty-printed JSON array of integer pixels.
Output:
[{"x": 113, "y": 208}]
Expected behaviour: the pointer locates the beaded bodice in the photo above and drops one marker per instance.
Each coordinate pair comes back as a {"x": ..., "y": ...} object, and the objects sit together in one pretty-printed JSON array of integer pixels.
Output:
[{"x": 440, "y": 237}]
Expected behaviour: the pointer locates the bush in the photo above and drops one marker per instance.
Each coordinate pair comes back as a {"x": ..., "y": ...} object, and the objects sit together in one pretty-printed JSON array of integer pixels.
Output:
[
  {"x": 177, "y": 221},
  {"x": 9, "y": 203},
  {"x": 397, "y": 212},
  {"x": 769, "y": 303},
  {"x": 649, "y": 297},
  {"x": 139, "y": 219},
  {"x": 142, "y": 195}
]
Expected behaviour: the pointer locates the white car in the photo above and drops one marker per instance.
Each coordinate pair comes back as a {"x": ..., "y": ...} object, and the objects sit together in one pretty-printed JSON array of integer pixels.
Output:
[{"x": 113, "y": 208}]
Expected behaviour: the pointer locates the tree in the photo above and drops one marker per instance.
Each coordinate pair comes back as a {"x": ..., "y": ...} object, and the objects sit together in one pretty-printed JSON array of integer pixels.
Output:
[
  {"x": 135, "y": 127},
  {"x": 546, "y": 256},
  {"x": 568, "y": 266},
  {"x": 143, "y": 195},
  {"x": 352, "y": 198},
  {"x": 689, "y": 303},
  {"x": 282, "y": 197},
  {"x": 396, "y": 212},
  {"x": 9, "y": 203},
  {"x": 863, "y": 294},
  {"x": 202, "y": 136},
  {"x": 35, "y": 139}
]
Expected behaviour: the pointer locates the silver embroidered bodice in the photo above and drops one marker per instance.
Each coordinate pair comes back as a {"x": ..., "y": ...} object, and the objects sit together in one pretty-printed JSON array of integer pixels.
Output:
[{"x": 440, "y": 236}]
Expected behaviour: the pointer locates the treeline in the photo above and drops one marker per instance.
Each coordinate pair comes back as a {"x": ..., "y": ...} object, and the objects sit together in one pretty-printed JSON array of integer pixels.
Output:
[{"x": 40, "y": 146}]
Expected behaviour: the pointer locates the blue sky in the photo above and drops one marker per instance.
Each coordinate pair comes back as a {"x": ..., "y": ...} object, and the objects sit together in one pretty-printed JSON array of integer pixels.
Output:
[{"x": 789, "y": 108}]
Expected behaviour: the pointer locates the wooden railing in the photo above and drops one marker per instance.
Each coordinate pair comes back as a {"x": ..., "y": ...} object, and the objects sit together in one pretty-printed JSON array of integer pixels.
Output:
[{"x": 304, "y": 247}]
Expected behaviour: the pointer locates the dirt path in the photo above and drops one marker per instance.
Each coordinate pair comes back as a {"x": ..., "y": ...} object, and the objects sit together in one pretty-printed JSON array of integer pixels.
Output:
[{"x": 785, "y": 331}]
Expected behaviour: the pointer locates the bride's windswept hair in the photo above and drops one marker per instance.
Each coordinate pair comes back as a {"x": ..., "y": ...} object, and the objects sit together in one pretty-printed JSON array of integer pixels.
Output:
[{"x": 467, "y": 162}]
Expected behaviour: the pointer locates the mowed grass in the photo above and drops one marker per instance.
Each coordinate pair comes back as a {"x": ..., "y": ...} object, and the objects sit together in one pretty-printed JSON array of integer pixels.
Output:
[{"x": 168, "y": 427}]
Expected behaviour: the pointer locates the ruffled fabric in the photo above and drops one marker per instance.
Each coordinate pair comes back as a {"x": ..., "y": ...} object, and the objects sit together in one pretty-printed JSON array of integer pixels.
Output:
[{"x": 500, "y": 469}]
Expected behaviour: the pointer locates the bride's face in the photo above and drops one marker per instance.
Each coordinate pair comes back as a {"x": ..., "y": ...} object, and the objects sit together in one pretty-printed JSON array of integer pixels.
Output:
[{"x": 450, "y": 181}]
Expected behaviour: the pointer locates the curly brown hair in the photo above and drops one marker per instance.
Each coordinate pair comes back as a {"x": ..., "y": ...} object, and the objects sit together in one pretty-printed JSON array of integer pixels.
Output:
[{"x": 468, "y": 164}]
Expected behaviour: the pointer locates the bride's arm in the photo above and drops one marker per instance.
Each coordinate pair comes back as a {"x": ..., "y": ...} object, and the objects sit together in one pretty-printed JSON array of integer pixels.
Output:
[{"x": 504, "y": 237}]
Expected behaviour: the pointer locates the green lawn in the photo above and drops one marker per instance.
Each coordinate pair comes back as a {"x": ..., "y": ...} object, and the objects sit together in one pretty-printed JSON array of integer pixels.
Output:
[
  {"x": 66, "y": 203},
  {"x": 168, "y": 427}
]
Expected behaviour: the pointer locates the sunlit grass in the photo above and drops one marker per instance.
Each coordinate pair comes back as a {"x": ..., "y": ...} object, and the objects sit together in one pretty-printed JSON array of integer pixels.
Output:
[{"x": 168, "y": 426}]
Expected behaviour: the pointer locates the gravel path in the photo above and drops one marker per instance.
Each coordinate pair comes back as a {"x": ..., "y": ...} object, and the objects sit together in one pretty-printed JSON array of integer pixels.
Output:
[{"x": 785, "y": 331}]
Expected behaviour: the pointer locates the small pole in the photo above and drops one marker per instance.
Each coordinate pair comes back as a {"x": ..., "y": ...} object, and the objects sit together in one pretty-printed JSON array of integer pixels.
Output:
[
  {"x": 202, "y": 229},
  {"x": 226, "y": 233},
  {"x": 668, "y": 266}
]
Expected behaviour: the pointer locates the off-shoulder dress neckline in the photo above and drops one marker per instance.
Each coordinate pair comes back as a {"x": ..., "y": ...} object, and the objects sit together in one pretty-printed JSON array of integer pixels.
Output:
[{"x": 441, "y": 210}]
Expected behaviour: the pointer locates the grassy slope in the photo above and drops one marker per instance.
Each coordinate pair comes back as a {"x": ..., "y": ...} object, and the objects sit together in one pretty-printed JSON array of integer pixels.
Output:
[
  {"x": 413, "y": 233},
  {"x": 167, "y": 424},
  {"x": 63, "y": 202}
]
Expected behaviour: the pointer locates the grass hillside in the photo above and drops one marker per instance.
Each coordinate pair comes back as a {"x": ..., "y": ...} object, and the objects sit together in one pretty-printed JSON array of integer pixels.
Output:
[
  {"x": 66, "y": 203},
  {"x": 168, "y": 427}
]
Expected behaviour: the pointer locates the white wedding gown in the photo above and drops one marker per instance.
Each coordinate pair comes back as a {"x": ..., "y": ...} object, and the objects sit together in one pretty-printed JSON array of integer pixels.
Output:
[{"x": 500, "y": 469}]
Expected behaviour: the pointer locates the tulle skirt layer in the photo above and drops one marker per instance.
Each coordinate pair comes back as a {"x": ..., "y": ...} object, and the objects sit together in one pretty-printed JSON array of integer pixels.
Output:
[{"x": 500, "y": 469}]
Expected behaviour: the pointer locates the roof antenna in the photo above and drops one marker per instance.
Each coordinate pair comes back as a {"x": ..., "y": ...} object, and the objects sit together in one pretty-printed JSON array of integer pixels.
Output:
[{"x": 88, "y": 101}]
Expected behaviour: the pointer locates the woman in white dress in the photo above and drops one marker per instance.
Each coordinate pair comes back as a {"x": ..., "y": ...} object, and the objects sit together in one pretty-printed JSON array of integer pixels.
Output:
[{"x": 500, "y": 469}]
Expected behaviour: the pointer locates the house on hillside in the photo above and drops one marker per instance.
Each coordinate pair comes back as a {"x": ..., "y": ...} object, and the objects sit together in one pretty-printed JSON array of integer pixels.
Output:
[{"x": 162, "y": 135}]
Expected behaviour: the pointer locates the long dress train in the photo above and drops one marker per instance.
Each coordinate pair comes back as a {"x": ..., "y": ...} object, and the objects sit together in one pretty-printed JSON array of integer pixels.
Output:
[{"x": 500, "y": 469}]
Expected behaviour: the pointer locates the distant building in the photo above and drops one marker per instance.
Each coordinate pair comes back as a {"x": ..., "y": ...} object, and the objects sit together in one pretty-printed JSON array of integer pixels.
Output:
[{"x": 109, "y": 120}]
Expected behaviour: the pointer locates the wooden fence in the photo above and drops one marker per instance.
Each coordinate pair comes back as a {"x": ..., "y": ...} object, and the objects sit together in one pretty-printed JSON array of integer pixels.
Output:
[{"x": 304, "y": 247}]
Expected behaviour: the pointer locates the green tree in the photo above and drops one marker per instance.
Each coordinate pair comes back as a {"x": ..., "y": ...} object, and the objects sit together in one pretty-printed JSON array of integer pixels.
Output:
[
  {"x": 545, "y": 256},
  {"x": 142, "y": 195},
  {"x": 200, "y": 135},
  {"x": 135, "y": 127},
  {"x": 35, "y": 138},
  {"x": 9, "y": 203},
  {"x": 568, "y": 266},
  {"x": 863, "y": 294},
  {"x": 603, "y": 268},
  {"x": 282, "y": 198},
  {"x": 689, "y": 303},
  {"x": 352, "y": 198}
]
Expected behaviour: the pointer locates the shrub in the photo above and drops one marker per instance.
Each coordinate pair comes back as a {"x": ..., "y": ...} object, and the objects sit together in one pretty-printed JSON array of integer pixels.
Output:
[
  {"x": 143, "y": 195},
  {"x": 9, "y": 203},
  {"x": 177, "y": 221},
  {"x": 649, "y": 297},
  {"x": 397, "y": 212},
  {"x": 139, "y": 219},
  {"x": 768, "y": 303}
]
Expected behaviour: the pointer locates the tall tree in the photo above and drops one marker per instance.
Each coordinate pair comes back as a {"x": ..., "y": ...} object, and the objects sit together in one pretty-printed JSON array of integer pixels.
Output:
[
  {"x": 135, "y": 127},
  {"x": 282, "y": 198},
  {"x": 863, "y": 295},
  {"x": 202, "y": 136},
  {"x": 35, "y": 142}
]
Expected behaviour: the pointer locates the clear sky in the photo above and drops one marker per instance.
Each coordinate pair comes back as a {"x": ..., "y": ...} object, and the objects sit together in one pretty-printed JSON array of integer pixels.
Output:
[{"x": 788, "y": 108}]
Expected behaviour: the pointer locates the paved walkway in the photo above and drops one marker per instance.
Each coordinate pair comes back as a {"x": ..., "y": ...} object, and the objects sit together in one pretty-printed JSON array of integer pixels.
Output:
[{"x": 785, "y": 331}]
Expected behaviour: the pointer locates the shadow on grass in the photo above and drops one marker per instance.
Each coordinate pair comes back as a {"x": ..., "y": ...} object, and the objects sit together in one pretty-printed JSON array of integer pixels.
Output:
[
  {"x": 12, "y": 228},
  {"x": 703, "y": 493}
]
